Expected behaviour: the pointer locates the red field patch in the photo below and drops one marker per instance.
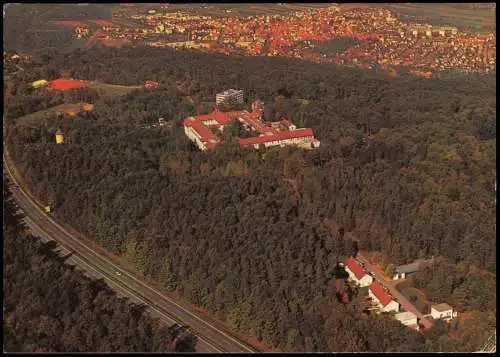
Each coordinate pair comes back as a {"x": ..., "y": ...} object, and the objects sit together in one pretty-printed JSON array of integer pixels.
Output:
[
  {"x": 65, "y": 84},
  {"x": 103, "y": 22},
  {"x": 68, "y": 23}
]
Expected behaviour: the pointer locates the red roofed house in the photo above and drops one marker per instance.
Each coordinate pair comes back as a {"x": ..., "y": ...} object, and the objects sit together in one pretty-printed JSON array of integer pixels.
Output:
[
  {"x": 382, "y": 297},
  {"x": 151, "y": 84},
  {"x": 357, "y": 273},
  {"x": 289, "y": 125},
  {"x": 200, "y": 134},
  {"x": 303, "y": 135}
]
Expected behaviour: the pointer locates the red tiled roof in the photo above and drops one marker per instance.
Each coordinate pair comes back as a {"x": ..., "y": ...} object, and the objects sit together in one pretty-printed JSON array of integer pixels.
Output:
[
  {"x": 267, "y": 133},
  {"x": 354, "y": 266},
  {"x": 225, "y": 118},
  {"x": 380, "y": 293},
  {"x": 280, "y": 135},
  {"x": 209, "y": 145},
  {"x": 206, "y": 135},
  {"x": 286, "y": 123},
  {"x": 251, "y": 119},
  {"x": 220, "y": 117}
]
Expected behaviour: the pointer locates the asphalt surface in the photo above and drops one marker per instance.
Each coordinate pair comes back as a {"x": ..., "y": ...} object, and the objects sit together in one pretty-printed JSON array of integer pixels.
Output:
[
  {"x": 400, "y": 298},
  {"x": 210, "y": 338}
]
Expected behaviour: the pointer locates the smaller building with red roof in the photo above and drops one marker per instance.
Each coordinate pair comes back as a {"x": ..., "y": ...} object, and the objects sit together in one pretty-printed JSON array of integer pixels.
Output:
[
  {"x": 357, "y": 273},
  {"x": 382, "y": 298},
  {"x": 288, "y": 124},
  {"x": 151, "y": 84}
]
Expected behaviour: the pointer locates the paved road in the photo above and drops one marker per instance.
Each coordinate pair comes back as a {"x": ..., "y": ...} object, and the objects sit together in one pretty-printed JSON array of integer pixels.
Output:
[
  {"x": 391, "y": 286},
  {"x": 210, "y": 338}
]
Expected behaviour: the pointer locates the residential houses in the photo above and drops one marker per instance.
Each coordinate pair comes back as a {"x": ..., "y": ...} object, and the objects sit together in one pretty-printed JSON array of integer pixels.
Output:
[
  {"x": 385, "y": 40},
  {"x": 442, "y": 312},
  {"x": 357, "y": 273},
  {"x": 402, "y": 271},
  {"x": 408, "y": 319},
  {"x": 382, "y": 298}
]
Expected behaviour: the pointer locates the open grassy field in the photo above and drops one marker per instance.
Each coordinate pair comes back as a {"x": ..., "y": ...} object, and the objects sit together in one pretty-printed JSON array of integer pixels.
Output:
[
  {"x": 34, "y": 118},
  {"x": 113, "y": 43},
  {"x": 112, "y": 89},
  {"x": 239, "y": 9},
  {"x": 77, "y": 43},
  {"x": 459, "y": 15},
  {"x": 416, "y": 296}
]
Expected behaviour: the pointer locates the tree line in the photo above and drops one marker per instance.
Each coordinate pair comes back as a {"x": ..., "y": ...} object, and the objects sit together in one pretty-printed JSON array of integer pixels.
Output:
[
  {"x": 50, "y": 306},
  {"x": 404, "y": 168}
]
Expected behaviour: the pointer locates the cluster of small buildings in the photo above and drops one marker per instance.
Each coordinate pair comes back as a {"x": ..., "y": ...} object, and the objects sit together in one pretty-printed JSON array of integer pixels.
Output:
[
  {"x": 81, "y": 32},
  {"x": 385, "y": 41},
  {"x": 384, "y": 302},
  {"x": 376, "y": 291},
  {"x": 205, "y": 130}
]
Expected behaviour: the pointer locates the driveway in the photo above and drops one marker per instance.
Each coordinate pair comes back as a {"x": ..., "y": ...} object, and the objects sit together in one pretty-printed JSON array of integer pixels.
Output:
[{"x": 390, "y": 285}]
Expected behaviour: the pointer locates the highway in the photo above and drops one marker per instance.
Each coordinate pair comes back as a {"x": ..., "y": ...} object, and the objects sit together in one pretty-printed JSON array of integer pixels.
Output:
[
  {"x": 391, "y": 286},
  {"x": 210, "y": 338}
]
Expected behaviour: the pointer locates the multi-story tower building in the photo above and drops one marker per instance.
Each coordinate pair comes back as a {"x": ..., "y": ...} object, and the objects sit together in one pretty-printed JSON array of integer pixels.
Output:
[{"x": 236, "y": 96}]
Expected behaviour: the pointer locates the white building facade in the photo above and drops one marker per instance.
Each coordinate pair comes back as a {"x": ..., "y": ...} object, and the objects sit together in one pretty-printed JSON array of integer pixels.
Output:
[
  {"x": 442, "y": 312},
  {"x": 364, "y": 281},
  {"x": 407, "y": 318},
  {"x": 230, "y": 94},
  {"x": 382, "y": 298},
  {"x": 357, "y": 273}
]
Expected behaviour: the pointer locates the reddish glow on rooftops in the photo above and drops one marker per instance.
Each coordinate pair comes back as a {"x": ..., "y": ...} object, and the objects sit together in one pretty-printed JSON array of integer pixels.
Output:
[
  {"x": 380, "y": 293},
  {"x": 354, "y": 266},
  {"x": 200, "y": 124},
  {"x": 280, "y": 135}
]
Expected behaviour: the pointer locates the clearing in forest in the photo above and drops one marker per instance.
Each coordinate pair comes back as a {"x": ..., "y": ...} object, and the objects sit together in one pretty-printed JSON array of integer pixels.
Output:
[
  {"x": 67, "y": 108},
  {"x": 460, "y": 15},
  {"x": 112, "y": 89},
  {"x": 415, "y": 296}
]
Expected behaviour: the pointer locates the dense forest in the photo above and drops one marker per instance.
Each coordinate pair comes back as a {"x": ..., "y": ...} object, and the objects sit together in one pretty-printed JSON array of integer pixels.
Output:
[
  {"x": 49, "y": 306},
  {"x": 406, "y": 167}
]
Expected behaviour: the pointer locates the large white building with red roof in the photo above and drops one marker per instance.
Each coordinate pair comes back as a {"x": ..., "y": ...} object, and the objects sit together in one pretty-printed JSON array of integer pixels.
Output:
[
  {"x": 200, "y": 130},
  {"x": 357, "y": 273},
  {"x": 382, "y": 298}
]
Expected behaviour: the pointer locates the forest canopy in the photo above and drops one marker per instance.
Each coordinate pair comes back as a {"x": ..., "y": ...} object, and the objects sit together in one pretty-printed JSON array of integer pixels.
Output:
[
  {"x": 406, "y": 167},
  {"x": 50, "y": 306}
]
